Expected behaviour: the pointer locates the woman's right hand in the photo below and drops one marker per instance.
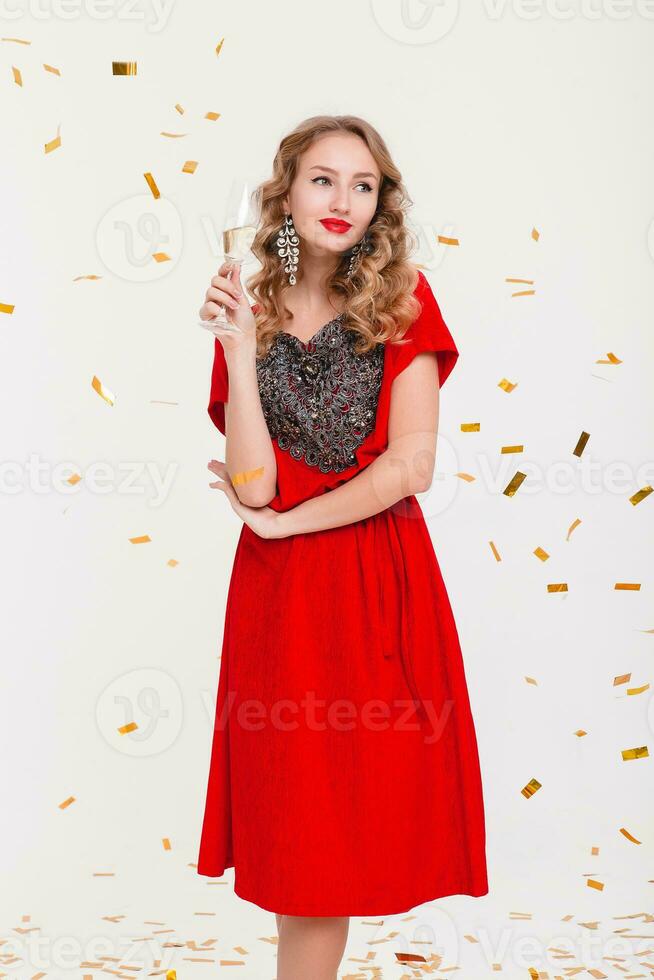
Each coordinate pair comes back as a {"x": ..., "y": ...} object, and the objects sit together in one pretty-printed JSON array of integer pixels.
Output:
[{"x": 229, "y": 293}]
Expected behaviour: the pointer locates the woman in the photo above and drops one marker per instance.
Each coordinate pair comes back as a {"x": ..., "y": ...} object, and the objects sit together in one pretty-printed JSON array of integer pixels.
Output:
[{"x": 344, "y": 776}]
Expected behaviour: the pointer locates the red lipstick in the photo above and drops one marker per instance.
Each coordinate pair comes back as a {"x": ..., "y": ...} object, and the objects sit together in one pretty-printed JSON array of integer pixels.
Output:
[{"x": 335, "y": 225}]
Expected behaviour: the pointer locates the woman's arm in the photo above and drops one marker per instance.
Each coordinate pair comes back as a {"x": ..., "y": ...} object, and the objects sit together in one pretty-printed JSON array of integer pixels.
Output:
[
  {"x": 404, "y": 468},
  {"x": 249, "y": 453}
]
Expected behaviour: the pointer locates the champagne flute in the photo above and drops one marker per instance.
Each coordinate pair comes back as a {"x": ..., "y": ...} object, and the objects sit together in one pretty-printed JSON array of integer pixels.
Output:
[{"x": 239, "y": 229}]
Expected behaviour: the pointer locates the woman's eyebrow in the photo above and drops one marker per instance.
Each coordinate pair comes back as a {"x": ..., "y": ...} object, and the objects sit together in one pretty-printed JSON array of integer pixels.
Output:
[{"x": 329, "y": 170}]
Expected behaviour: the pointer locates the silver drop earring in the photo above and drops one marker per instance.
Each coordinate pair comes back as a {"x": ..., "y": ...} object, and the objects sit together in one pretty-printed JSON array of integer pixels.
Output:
[
  {"x": 363, "y": 246},
  {"x": 287, "y": 248}
]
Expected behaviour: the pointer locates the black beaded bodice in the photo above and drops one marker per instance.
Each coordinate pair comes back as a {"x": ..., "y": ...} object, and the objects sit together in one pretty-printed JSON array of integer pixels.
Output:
[{"x": 320, "y": 398}]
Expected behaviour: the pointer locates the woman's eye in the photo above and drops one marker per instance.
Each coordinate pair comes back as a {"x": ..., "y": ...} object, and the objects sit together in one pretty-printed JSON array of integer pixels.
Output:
[{"x": 362, "y": 184}]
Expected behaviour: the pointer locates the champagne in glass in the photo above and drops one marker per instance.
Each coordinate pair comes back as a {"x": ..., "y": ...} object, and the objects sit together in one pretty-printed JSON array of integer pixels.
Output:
[{"x": 240, "y": 227}]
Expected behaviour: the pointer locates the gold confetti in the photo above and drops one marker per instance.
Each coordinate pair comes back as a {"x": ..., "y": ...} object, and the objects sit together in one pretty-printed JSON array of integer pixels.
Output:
[
  {"x": 495, "y": 551},
  {"x": 161, "y": 257},
  {"x": 529, "y": 282},
  {"x": 557, "y": 587},
  {"x": 540, "y": 553},
  {"x": 108, "y": 396},
  {"x": 173, "y": 136},
  {"x": 468, "y": 477},
  {"x": 595, "y": 884},
  {"x": 581, "y": 444},
  {"x": 18, "y": 78},
  {"x": 443, "y": 240},
  {"x": 594, "y": 851},
  {"x": 530, "y": 680},
  {"x": 574, "y": 524},
  {"x": 219, "y": 46},
  {"x": 189, "y": 167},
  {"x": 640, "y": 495},
  {"x": 141, "y": 539},
  {"x": 92, "y": 276},
  {"x": 51, "y": 68},
  {"x": 179, "y": 109},
  {"x": 123, "y": 68},
  {"x": 7, "y": 307},
  {"x": 166, "y": 843},
  {"x": 611, "y": 359},
  {"x": 513, "y": 449},
  {"x": 248, "y": 475},
  {"x": 152, "y": 185},
  {"x": 524, "y": 292},
  {"x": 514, "y": 483},
  {"x": 55, "y": 143},
  {"x": 535, "y": 234},
  {"x": 580, "y": 733},
  {"x": 623, "y": 830},
  {"x": 172, "y": 562},
  {"x": 73, "y": 479},
  {"x": 638, "y": 690},
  {"x": 212, "y": 116},
  {"x": 470, "y": 426},
  {"x": 642, "y": 752},
  {"x": 507, "y": 386},
  {"x": 627, "y": 586},
  {"x": 130, "y": 727},
  {"x": 71, "y": 799},
  {"x": 621, "y": 679},
  {"x": 532, "y": 787}
]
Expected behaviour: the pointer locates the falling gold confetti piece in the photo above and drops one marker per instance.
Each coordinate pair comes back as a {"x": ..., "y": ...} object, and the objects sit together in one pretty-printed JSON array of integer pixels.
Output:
[
  {"x": 638, "y": 690},
  {"x": 171, "y": 974},
  {"x": 180, "y": 109},
  {"x": 535, "y": 234},
  {"x": 108, "y": 396},
  {"x": 642, "y": 752},
  {"x": 123, "y": 68},
  {"x": 410, "y": 958},
  {"x": 513, "y": 449},
  {"x": 514, "y": 483},
  {"x": 530, "y": 680},
  {"x": 574, "y": 524},
  {"x": 529, "y": 282},
  {"x": 581, "y": 444},
  {"x": 212, "y": 116},
  {"x": 141, "y": 539},
  {"x": 470, "y": 426},
  {"x": 90, "y": 276},
  {"x": 468, "y": 477},
  {"x": 219, "y": 46},
  {"x": 18, "y": 78},
  {"x": 532, "y": 787},
  {"x": 621, "y": 679},
  {"x": 17, "y": 40},
  {"x": 189, "y": 167},
  {"x": 557, "y": 587},
  {"x": 640, "y": 495},
  {"x": 173, "y": 136},
  {"x": 248, "y": 475},
  {"x": 540, "y": 553},
  {"x": 627, "y": 586},
  {"x": 73, "y": 479},
  {"x": 580, "y": 733},
  {"x": 623, "y": 830},
  {"x": 152, "y": 185},
  {"x": 610, "y": 359},
  {"x": 166, "y": 843},
  {"x": 595, "y": 884},
  {"x": 507, "y": 386},
  {"x": 56, "y": 142},
  {"x": 160, "y": 257},
  {"x": 594, "y": 851},
  {"x": 51, "y": 68},
  {"x": 130, "y": 727},
  {"x": 71, "y": 799},
  {"x": 443, "y": 240},
  {"x": 7, "y": 307},
  {"x": 172, "y": 562},
  {"x": 495, "y": 551},
  {"x": 524, "y": 292}
]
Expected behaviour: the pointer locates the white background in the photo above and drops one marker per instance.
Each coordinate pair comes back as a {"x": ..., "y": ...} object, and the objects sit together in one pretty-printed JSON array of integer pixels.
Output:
[{"x": 502, "y": 118}]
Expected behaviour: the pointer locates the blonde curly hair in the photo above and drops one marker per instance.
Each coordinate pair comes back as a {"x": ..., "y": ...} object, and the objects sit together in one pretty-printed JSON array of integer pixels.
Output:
[{"x": 378, "y": 301}]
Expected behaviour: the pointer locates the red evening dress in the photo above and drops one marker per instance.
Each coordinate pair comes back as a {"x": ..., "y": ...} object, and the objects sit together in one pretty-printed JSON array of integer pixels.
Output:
[{"x": 332, "y": 789}]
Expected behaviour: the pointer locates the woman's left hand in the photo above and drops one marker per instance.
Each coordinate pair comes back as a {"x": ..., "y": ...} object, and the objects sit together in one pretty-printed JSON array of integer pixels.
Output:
[{"x": 264, "y": 521}]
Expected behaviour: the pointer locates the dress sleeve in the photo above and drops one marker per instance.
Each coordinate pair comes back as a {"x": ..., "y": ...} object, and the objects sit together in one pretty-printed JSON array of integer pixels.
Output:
[
  {"x": 219, "y": 387},
  {"x": 427, "y": 332}
]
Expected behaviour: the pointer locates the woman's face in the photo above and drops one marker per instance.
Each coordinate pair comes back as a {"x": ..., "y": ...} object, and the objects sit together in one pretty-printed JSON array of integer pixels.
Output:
[{"x": 338, "y": 181}]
